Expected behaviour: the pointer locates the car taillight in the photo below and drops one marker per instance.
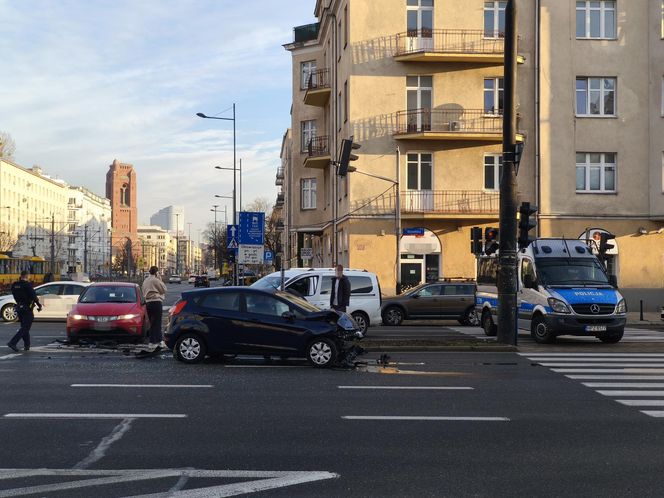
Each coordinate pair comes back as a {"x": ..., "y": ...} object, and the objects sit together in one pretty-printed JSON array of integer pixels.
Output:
[{"x": 177, "y": 308}]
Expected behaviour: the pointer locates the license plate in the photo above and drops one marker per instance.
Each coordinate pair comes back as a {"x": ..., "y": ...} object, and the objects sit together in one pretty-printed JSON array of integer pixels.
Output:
[
  {"x": 595, "y": 328},
  {"x": 101, "y": 325}
]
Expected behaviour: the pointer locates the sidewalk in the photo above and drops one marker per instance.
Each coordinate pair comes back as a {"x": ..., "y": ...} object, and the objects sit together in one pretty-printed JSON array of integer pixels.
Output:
[{"x": 649, "y": 318}]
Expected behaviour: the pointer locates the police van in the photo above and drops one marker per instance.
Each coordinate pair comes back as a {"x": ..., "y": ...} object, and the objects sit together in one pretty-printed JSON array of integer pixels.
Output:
[{"x": 564, "y": 289}]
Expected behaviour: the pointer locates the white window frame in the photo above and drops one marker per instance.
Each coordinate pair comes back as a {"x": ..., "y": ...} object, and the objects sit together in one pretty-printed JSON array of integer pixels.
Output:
[
  {"x": 605, "y": 6},
  {"x": 308, "y": 193},
  {"x": 496, "y": 91},
  {"x": 419, "y": 171},
  {"x": 306, "y": 68},
  {"x": 662, "y": 92},
  {"x": 496, "y": 160},
  {"x": 495, "y": 7},
  {"x": 307, "y": 133},
  {"x": 603, "y": 93},
  {"x": 603, "y": 166}
]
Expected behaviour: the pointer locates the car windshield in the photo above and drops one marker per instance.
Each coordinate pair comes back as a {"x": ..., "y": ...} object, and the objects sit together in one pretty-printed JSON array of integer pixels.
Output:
[
  {"x": 109, "y": 294},
  {"x": 571, "y": 271},
  {"x": 268, "y": 282},
  {"x": 298, "y": 301}
]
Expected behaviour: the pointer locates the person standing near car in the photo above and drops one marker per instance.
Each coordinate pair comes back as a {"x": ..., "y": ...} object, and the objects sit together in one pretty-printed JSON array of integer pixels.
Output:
[
  {"x": 26, "y": 299},
  {"x": 340, "y": 295},
  {"x": 154, "y": 291}
]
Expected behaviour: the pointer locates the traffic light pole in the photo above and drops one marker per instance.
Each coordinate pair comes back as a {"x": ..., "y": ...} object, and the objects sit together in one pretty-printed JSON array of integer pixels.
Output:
[{"x": 507, "y": 271}]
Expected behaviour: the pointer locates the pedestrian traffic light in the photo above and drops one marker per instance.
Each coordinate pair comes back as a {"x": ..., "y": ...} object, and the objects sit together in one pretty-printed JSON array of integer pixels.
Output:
[
  {"x": 526, "y": 223},
  {"x": 476, "y": 240},
  {"x": 491, "y": 243},
  {"x": 346, "y": 156},
  {"x": 604, "y": 245}
]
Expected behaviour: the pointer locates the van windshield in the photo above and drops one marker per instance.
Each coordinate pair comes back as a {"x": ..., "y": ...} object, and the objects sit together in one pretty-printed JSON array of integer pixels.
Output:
[{"x": 571, "y": 271}]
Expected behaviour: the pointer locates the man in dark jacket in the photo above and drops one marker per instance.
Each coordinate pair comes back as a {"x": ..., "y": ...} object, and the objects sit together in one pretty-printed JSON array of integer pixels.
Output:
[
  {"x": 340, "y": 295},
  {"x": 26, "y": 299}
]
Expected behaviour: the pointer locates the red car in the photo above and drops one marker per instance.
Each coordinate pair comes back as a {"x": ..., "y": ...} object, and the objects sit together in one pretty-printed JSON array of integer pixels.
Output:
[{"x": 109, "y": 310}]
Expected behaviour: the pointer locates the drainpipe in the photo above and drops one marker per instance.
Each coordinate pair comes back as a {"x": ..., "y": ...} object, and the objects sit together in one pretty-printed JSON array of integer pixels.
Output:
[{"x": 538, "y": 159}]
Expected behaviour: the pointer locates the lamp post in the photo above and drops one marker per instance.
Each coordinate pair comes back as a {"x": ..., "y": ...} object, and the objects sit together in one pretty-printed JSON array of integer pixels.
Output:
[
  {"x": 202, "y": 115},
  {"x": 214, "y": 235},
  {"x": 240, "y": 170},
  {"x": 177, "y": 243}
]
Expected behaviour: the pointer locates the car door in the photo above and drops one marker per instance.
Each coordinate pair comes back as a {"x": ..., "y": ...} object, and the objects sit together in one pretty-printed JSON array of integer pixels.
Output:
[
  {"x": 426, "y": 302},
  {"x": 306, "y": 288},
  {"x": 70, "y": 296},
  {"x": 267, "y": 329},
  {"x": 220, "y": 313},
  {"x": 51, "y": 299},
  {"x": 526, "y": 297},
  {"x": 456, "y": 298}
]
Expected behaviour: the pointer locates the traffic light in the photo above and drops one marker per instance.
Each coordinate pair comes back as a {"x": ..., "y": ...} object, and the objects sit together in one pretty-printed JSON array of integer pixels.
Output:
[
  {"x": 476, "y": 240},
  {"x": 346, "y": 156},
  {"x": 526, "y": 223},
  {"x": 491, "y": 244},
  {"x": 604, "y": 245}
]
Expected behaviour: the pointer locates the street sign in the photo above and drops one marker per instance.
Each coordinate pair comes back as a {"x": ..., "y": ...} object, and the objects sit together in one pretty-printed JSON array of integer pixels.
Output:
[
  {"x": 269, "y": 257},
  {"x": 232, "y": 236},
  {"x": 252, "y": 228},
  {"x": 413, "y": 231},
  {"x": 306, "y": 252},
  {"x": 250, "y": 254}
]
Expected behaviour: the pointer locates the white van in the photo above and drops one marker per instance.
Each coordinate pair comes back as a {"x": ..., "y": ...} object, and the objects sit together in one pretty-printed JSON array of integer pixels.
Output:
[
  {"x": 273, "y": 280},
  {"x": 315, "y": 285}
]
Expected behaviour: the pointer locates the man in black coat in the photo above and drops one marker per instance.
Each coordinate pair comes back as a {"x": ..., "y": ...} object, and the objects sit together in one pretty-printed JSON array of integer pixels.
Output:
[
  {"x": 26, "y": 299},
  {"x": 340, "y": 295}
]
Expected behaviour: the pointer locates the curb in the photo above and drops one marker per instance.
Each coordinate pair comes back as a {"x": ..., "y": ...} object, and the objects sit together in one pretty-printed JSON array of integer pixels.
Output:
[{"x": 439, "y": 346}]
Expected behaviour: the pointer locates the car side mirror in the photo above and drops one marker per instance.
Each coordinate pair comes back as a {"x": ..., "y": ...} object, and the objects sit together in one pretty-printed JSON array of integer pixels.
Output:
[
  {"x": 288, "y": 315},
  {"x": 613, "y": 281},
  {"x": 528, "y": 282},
  {"x": 415, "y": 296}
]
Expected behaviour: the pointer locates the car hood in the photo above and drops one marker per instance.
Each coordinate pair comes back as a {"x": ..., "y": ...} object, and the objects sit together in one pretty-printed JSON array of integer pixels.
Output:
[
  {"x": 105, "y": 309},
  {"x": 7, "y": 298}
]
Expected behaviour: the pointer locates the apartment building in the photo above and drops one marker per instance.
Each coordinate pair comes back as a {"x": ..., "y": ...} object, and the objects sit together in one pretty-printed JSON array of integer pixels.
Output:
[
  {"x": 418, "y": 83},
  {"x": 158, "y": 248},
  {"x": 170, "y": 218},
  {"x": 88, "y": 231}
]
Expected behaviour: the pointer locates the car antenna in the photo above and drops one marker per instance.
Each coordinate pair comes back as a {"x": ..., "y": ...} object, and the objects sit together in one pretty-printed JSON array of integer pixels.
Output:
[{"x": 569, "y": 255}]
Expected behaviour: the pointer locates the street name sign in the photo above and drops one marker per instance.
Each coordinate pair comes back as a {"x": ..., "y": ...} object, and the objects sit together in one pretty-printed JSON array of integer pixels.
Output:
[{"x": 250, "y": 254}]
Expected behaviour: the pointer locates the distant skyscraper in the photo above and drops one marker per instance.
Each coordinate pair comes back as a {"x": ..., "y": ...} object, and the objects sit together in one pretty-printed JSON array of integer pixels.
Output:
[
  {"x": 167, "y": 218},
  {"x": 121, "y": 189}
]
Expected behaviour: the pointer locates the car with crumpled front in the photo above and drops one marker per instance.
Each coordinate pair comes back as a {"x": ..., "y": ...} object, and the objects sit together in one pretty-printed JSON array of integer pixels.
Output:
[{"x": 248, "y": 321}]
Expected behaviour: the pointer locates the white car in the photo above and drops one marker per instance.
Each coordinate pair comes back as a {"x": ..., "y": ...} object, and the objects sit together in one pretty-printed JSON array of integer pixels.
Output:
[
  {"x": 57, "y": 299},
  {"x": 175, "y": 279},
  {"x": 192, "y": 279}
]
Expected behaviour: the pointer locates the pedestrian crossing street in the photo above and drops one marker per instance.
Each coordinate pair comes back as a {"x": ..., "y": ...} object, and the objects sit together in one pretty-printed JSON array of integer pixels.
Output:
[
  {"x": 631, "y": 379},
  {"x": 631, "y": 335}
]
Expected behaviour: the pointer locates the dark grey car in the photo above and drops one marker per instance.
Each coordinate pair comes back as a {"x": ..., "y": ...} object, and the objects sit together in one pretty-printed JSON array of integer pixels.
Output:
[{"x": 437, "y": 300}]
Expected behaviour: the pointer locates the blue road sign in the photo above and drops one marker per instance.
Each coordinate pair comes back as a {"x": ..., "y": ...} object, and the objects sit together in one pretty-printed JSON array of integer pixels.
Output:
[
  {"x": 268, "y": 256},
  {"x": 413, "y": 231},
  {"x": 252, "y": 228},
  {"x": 232, "y": 233}
]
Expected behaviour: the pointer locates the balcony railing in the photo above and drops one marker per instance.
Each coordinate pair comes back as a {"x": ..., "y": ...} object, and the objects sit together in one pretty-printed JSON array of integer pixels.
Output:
[
  {"x": 471, "y": 121},
  {"x": 449, "y": 41},
  {"x": 318, "y": 146},
  {"x": 305, "y": 33},
  {"x": 318, "y": 79},
  {"x": 280, "y": 176},
  {"x": 450, "y": 201}
]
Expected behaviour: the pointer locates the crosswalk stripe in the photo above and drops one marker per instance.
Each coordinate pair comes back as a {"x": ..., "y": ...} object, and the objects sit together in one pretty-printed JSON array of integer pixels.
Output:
[
  {"x": 616, "y": 377},
  {"x": 625, "y": 384},
  {"x": 631, "y": 393},
  {"x": 608, "y": 364},
  {"x": 609, "y": 370},
  {"x": 641, "y": 402},
  {"x": 597, "y": 359},
  {"x": 533, "y": 356},
  {"x": 654, "y": 413}
]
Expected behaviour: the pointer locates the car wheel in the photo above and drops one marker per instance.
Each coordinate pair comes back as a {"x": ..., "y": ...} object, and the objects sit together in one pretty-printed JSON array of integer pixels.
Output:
[
  {"x": 9, "y": 313},
  {"x": 612, "y": 337},
  {"x": 362, "y": 321},
  {"x": 540, "y": 331},
  {"x": 321, "y": 353},
  {"x": 189, "y": 348},
  {"x": 470, "y": 317},
  {"x": 489, "y": 327},
  {"x": 393, "y": 316}
]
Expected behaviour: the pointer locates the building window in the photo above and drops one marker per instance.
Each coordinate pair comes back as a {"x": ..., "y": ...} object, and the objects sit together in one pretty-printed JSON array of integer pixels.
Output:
[
  {"x": 72, "y": 227},
  {"x": 308, "y": 133},
  {"x": 493, "y": 169},
  {"x": 595, "y": 172},
  {"x": 124, "y": 195},
  {"x": 420, "y": 172},
  {"x": 596, "y": 19},
  {"x": 339, "y": 111},
  {"x": 494, "y": 19},
  {"x": 345, "y": 101},
  {"x": 346, "y": 26},
  {"x": 662, "y": 92},
  {"x": 308, "y": 189},
  {"x": 339, "y": 40},
  {"x": 595, "y": 96},
  {"x": 307, "y": 70},
  {"x": 72, "y": 240},
  {"x": 493, "y": 96},
  {"x": 419, "y": 97}
]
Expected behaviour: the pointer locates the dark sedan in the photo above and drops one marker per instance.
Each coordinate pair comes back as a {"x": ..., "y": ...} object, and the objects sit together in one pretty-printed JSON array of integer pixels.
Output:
[{"x": 243, "y": 320}]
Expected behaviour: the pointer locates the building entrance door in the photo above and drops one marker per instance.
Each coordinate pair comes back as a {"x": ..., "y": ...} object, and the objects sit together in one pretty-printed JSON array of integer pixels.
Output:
[
  {"x": 411, "y": 274},
  {"x": 420, "y": 25}
]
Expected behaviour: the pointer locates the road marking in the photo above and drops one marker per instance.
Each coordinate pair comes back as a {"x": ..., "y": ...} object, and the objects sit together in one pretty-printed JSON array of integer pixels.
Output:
[
  {"x": 609, "y": 370},
  {"x": 624, "y": 384},
  {"x": 176, "y": 386},
  {"x": 599, "y": 359},
  {"x": 615, "y": 377},
  {"x": 452, "y": 419},
  {"x": 612, "y": 364},
  {"x": 266, "y": 366},
  {"x": 9, "y": 356},
  {"x": 94, "y": 415},
  {"x": 433, "y": 388},
  {"x": 654, "y": 413},
  {"x": 100, "y": 451},
  {"x": 613, "y": 355},
  {"x": 266, "y": 480},
  {"x": 631, "y": 393},
  {"x": 641, "y": 402}
]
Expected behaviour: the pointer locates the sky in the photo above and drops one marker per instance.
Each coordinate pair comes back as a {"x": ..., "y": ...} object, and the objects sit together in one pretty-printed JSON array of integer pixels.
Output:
[{"x": 85, "y": 82}]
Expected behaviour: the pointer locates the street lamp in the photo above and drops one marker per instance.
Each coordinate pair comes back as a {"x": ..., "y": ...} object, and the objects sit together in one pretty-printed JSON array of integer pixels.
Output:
[
  {"x": 202, "y": 115},
  {"x": 240, "y": 170}
]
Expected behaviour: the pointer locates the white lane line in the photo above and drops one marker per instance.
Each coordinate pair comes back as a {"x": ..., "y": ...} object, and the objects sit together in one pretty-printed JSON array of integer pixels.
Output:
[
  {"x": 451, "y": 419},
  {"x": 614, "y": 392},
  {"x": 93, "y": 415},
  {"x": 614, "y": 355},
  {"x": 9, "y": 356},
  {"x": 266, "y": 366},
  {"x": 599, "y": 360},
  {"x": 424, "y": 388},
  {"x": 100, "y": 451},
  {"x": 612, "y": 364},
  {"x": 635, "y": 385},
  {"x": 615, "y": 377},
  {"x": 610, "y": 370},
  {"x": 654, "y": 413},
  {"x": 176, "y": 386},
  {"x": 641, "y": 402}
]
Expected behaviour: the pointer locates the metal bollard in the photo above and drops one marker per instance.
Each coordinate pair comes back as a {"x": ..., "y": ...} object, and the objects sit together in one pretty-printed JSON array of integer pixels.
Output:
[{"x": 641, "y": 310}]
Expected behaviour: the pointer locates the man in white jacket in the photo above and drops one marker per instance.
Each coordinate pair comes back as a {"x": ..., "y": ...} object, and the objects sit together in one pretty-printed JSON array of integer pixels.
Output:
[{"x": 154, "y": 291}]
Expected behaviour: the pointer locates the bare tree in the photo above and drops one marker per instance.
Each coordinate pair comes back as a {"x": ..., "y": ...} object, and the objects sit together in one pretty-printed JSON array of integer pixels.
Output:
[
  {"x": 272, "y": 235},
  {"x": 7, "y": 241},
  {"x": 7, "y": 146}
]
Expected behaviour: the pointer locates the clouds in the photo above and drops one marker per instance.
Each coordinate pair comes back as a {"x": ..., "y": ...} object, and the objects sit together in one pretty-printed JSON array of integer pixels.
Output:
[{"x": 84, "y": 82}]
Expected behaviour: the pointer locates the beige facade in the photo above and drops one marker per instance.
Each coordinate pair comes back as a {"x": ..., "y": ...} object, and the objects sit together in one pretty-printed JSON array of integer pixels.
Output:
[{"x": 423, "y": 77}]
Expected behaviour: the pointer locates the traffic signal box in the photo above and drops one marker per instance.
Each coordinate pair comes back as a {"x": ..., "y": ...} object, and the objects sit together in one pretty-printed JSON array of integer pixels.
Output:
[
  {"x": 491, "y": 243},
  {"x": 346, "y": 156},
  {"x": 604, "y": 245},
  {"x": 527, "y": 221},
  {"x": 476, "y": 240}
]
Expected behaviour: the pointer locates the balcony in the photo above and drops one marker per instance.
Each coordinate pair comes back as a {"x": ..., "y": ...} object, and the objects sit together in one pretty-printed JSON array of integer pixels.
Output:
[
  {"x": 448, "y": 124},
  {"x": 280, "y": 200},
  {"x": 318, "y": 153},
  {"x": 305, "y": 33},
  {"x": 450, "y": 45},
  {"x": 459, "y": 203},
  {"x": 279, "y": 181},
  {"x": 318, "y": 88}
]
